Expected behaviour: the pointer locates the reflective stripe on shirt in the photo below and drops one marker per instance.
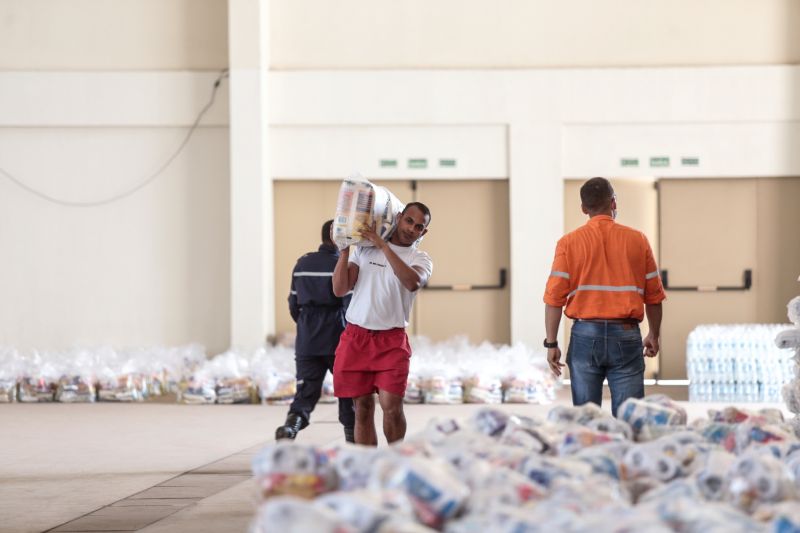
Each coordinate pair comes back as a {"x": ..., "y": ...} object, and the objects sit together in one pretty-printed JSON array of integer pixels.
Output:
[{"x": 606, "y": 288}]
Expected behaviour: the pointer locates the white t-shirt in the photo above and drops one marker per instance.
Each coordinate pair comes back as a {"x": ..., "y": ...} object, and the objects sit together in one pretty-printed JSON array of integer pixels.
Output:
[{"x": 379, "y": 299}]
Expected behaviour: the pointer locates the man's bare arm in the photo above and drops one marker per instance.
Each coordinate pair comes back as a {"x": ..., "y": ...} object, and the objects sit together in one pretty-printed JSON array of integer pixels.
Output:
[
  {"x": 654, "y": 314},
  {"x": 345, "y": 274},
  {"x": 552, "y": 319},
  {"x": 409, "y": 277}
]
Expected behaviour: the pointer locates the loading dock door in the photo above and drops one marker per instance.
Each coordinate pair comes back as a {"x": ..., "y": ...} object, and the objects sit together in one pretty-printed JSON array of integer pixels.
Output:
[{"x": 708, "y": 239}]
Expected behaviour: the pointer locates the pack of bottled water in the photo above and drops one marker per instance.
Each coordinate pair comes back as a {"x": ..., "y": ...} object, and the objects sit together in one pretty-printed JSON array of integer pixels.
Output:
[{"x": 737, "y": 363}]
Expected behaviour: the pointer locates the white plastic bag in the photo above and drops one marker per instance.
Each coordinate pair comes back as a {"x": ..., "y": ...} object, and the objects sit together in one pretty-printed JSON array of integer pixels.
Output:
[{"x": 362, "y": 203}]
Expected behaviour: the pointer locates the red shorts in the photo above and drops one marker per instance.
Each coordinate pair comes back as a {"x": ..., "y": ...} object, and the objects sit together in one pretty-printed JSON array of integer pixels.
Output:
[{"x": 370, "y": 360}]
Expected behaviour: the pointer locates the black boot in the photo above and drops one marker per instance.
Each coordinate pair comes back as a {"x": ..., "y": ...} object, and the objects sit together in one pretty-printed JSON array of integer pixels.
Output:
[
  {"x": 289, "y": 430},
  {"x": 350, "y": 434}
]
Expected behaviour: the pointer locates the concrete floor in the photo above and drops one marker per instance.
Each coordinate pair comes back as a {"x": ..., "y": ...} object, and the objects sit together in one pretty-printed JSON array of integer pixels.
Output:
[{"x": 158, "y": 467}]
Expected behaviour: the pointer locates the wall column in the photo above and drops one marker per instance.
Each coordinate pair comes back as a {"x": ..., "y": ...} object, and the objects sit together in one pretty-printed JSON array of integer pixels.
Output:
[
  {"x": 252, "y": 284},
  {"x": 536, "y": 205}
]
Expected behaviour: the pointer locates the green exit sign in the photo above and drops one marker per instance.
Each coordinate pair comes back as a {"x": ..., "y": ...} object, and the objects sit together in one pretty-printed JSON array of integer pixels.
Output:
[
  {"x": 418, "y": 163},
  {"x": 629, "y": 162},
  {"x": 388, "y": 163},
  {"x": 660, "y": 161},
  {"x": 690, "y": 161}
]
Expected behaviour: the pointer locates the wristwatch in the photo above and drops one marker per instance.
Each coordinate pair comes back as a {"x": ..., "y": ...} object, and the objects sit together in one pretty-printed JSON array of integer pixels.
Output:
[{"x": 553, "y": 344}]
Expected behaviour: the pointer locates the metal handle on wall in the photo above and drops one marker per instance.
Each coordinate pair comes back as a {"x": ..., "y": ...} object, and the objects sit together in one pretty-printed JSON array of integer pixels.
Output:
[{"x": 747, "y": 284}]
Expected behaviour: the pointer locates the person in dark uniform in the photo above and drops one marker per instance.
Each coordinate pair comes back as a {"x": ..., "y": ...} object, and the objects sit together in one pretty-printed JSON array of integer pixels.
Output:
[{"x": 319, "y": 316}]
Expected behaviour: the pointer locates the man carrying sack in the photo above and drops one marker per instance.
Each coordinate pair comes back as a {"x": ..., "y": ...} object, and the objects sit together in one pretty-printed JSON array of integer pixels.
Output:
[
  {"x": 373, "y": 353},
  {"x": 606, "y": 276}
]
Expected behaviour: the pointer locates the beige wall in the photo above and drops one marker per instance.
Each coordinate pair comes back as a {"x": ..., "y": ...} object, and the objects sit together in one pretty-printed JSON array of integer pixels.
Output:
[
  {"x": 308, "y": 34},
  {"x": 777, "y": 247},
  {"x": 151, "y": 269},
  {"x": 113, "y": 34}
]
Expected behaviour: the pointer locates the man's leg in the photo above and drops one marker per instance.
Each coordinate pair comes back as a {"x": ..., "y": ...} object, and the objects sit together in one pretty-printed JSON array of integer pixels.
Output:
[
  {"x": 394, "y": 419},
  {"x": 365, "y": 420},
  {"x": 625, "y": 364},
  {"x": 310, "y": 372},
  {"x": 583, "y": 357}
]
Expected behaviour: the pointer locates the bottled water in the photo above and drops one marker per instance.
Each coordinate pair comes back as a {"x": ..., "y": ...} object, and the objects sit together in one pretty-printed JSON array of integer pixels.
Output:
[{"x": 737, "y": 363}]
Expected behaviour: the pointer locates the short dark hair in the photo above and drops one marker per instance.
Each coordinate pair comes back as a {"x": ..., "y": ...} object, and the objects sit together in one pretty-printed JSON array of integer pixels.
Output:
[
  {"x": 422, "y": 207},
  {"x": 326, "y": 231},
  {"x": 596, "y": 195}
]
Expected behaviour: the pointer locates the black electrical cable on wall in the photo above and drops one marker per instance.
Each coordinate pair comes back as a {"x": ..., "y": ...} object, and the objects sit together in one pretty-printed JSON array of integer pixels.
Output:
[{"x": 143, "y": 183}]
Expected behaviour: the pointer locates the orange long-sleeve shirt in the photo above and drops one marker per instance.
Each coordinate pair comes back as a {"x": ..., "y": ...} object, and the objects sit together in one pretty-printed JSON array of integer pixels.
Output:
[{"x": 604, "y": 270}]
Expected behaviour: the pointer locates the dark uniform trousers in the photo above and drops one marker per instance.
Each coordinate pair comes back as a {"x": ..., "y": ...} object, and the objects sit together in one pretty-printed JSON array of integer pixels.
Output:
[
  {"x": 319, "y": 315},
  {"x": 310, "y": 375}
]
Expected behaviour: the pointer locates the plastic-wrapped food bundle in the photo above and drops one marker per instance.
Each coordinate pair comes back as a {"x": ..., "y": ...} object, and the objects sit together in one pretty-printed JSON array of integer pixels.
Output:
[
  {"x": 605, "y": 459},
  {"x": 199, "y": 389},
  {"x": 649, "y": 461},
  {"x": 293, "y": 515},
  {"x": 11, "y": 367},
  {"x": 236, "y": 390},
  {"x": 791, "y": 396},
  {"x": 487, "y": 421},
  {"x": 353, "y": 465},
  {"x": 440, "y": 389},
  {"x": 414, "y": 393},
  {"x": 793, "y": 308},
  {"x": 362, "y": 203},
  {"x": 500, "y": 472},
  {"x": 529, "y": 434},
  {"x": 75, "y": 389},
  {"x": 581, "y": 437},
  {"x": 293, "y": 469},
  {"x": 483, "y": 389},
  {"x": 273, "y": 371},
  {"x": 122, "y": 388},
  {"x": 731, "y": 415},
  {"x": 327, "y": 395},
  {"x": 649, "y": 419},
  {"x": 40, "y": 374},
  {"x": 370, "y": 510},
  {"x": 32, "y": 390},
  {"x": 527, "y": 381},
  {"x": 432, "y": 486},
  {"x": 582, "y": 414},
  {"x": 758, "y": 478},
  {"x": 611, "y": 425},
  {"x": 8, "y": 390},
  {"x": 685, "y": 515},
  {"x": 491, "y": 486}
]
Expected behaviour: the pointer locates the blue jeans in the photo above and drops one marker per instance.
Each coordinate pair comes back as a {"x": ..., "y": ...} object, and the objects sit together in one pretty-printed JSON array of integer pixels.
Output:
[{"x": 605, "y": 350}]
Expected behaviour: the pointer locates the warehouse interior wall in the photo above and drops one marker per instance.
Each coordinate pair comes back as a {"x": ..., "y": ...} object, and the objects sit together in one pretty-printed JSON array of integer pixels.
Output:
[
  {"x": 99, "y": 35},
  {"x": 72, "y": 70},
  {"x": 370, "y": 34}
]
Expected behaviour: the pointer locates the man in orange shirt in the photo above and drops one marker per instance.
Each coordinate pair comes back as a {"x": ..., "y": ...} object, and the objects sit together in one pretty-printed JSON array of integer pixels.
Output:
[{"x": 606, "y": 276}]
